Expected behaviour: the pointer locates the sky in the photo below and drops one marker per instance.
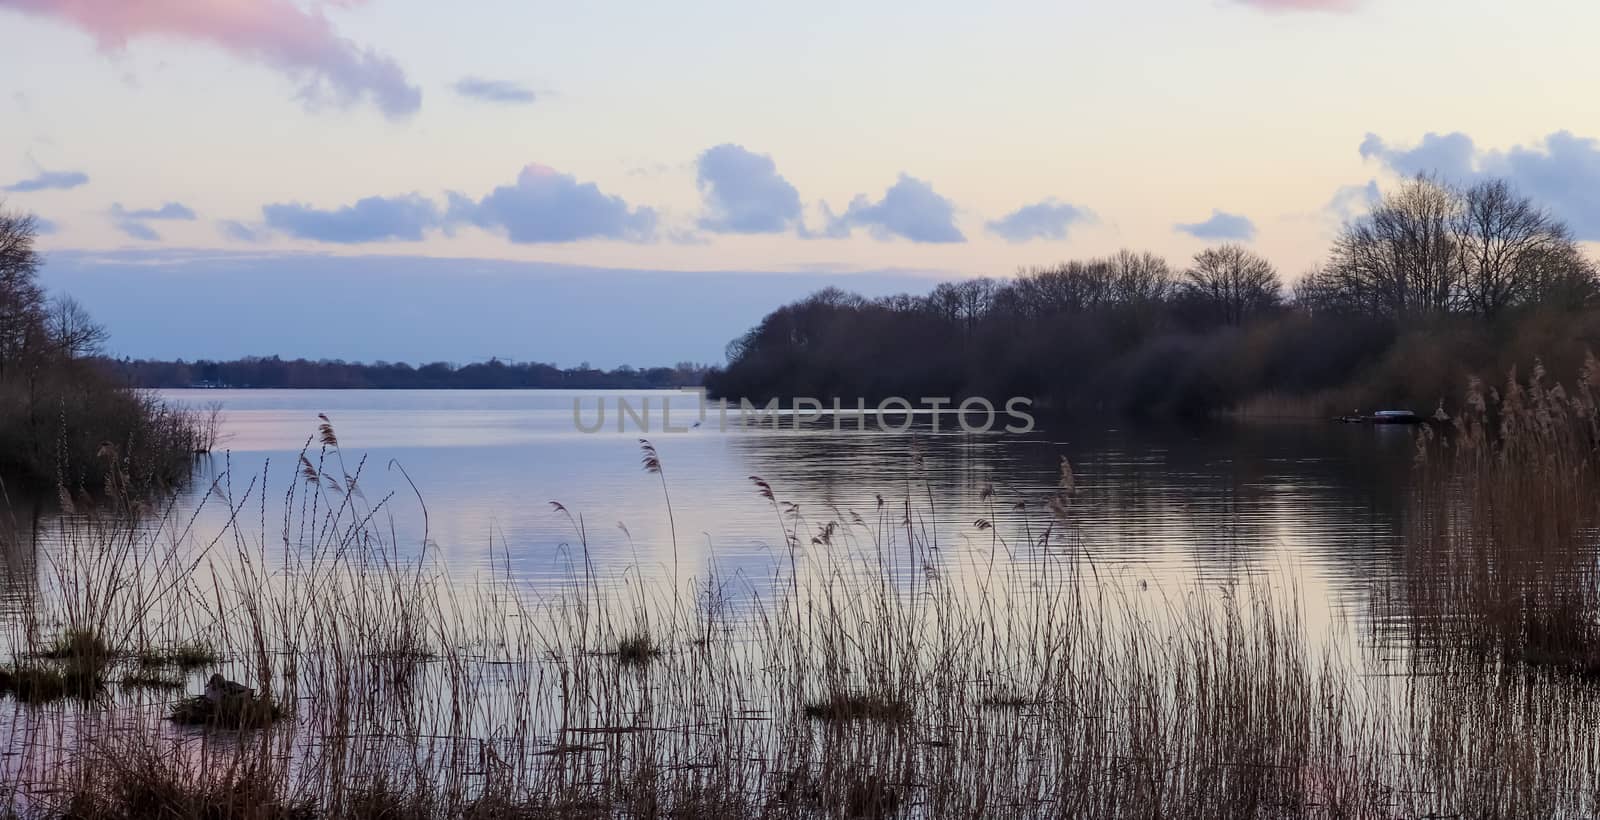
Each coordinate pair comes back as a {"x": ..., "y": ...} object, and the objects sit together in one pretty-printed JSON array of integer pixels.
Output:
[{"x": 639, "y": 182}]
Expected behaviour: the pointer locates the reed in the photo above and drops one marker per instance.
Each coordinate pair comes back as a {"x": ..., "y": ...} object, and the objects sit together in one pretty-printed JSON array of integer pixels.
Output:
[
  {"x": 1502, "y": 528},
  {"x": 869, "y": 676}
]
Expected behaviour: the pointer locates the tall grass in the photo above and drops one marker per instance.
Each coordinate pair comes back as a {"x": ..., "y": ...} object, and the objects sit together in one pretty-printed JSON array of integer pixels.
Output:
[
  {"x": 1503, "y": 527},
  {"x": 870, "y": 676}
]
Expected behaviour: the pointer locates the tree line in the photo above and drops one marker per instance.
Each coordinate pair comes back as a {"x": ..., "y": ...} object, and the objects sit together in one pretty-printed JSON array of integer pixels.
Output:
[
  {"x": 63, "y": 420},
  {"x": 1437, "y": 283},
  {"x": 275, "y": 372}
]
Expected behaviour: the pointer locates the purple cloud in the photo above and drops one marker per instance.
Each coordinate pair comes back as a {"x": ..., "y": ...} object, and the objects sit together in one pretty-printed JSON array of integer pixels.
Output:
[
  {"x": 1221, "y": 225},
  {"x": 373, "y": 219},
  {"x": 278, "y": 33},
  {"x": 171, "y": 210},
  {"x": 1449, "y": 155},
  {"x": 1351, "y": 201},
  {"x": 744, "y": 193},
  {"x": 138, "y": 230},
  {"x": 545, "y": 205},
  {"x": 910, "y": 209},
  {"x": 49, "y": 181},
  {"x": 240, "y": 232},
  {"x": 1047, "y": 219},
  {"x": 498, "y": 91},
  {"x": 1562, "y": 171}
]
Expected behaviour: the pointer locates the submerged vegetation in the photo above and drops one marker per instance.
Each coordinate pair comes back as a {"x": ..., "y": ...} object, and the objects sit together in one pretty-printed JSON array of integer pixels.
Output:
[
  {"x": 1434, "y": 286},
  {"x": 872, "y": 675}
]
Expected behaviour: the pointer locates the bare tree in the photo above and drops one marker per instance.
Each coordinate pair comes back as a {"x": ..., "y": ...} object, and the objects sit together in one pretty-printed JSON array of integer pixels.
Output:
[
  {"x": 1231, "y": 283},
  {"x": 1562, "y": 277},
  {"x": 1401, "y": 260},
  {"x": 1507, "y": 248},
  {"x": 1140, "y": 278},
  {"x": 22, "y": 302},
  {"x": 71, "y": 330},
  {"x": 1067, "y": 288}
]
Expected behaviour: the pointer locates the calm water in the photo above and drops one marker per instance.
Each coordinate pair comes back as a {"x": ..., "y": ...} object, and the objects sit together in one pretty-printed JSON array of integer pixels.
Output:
[{"x": 1318, "y": 503}]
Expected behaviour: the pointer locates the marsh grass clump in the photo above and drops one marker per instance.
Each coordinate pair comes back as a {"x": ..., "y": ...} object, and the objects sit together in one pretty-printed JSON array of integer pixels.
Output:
[
  {"x": 146, "y": 678},
  {"x": 1503, "y": 528},
  {"x": 141, "y": 777},
  {"x": 34, "y": 683},
  {"x": 186, "y": 656},
  {"x": 80, "y": 645},
  {"x": 232, "y": 712},
  {"x": 637, "y": 649},
  {"x": 1005, "y": 699},
  {"x": 872, "y": 797},
  {"x": 850, "y": 706}
]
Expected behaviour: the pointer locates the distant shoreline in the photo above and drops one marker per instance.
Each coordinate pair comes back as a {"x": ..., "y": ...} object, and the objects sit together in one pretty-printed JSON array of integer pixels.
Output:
[
  {"x": 274, "y": 373},
  {"x": 446, "y": 387}
]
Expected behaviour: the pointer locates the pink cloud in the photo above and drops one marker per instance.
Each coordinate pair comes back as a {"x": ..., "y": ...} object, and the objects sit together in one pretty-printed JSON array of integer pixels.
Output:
[
  {"x": 1301, "y": 5},
  {"x": 277, "y": 33}
]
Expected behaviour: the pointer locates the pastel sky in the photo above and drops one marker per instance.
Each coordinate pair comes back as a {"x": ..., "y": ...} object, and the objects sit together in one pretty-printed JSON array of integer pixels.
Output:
[{"x": 703, "y": 142}]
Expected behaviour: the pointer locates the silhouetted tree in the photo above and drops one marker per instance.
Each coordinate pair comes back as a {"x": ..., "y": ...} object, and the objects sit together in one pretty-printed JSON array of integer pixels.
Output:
[
  {"x": 1508, "y": 250},
  {"x": 1231, "y": 285},
  {"x": 56, "y": 408},
  {"x": 69, "y": 326},
  {"x": 1401, "y": 261},
  {"x": 22, "y": 301}
]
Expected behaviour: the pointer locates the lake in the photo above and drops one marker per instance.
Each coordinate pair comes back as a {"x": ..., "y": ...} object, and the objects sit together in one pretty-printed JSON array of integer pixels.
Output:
[
  {"x": 467, "y": 587},
  {"x": 1169, "y": 505}
]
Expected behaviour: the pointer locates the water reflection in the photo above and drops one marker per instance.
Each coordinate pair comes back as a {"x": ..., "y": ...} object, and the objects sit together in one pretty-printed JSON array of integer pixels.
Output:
[{"x": 1170, "y": 505}]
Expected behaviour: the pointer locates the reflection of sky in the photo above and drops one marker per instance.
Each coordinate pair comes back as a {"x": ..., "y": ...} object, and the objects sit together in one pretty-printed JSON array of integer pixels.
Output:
[{"x": 1168, "y": 506}]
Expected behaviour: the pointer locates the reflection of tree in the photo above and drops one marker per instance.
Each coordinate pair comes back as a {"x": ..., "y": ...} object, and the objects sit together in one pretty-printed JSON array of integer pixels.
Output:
[
  {"x": 21, "y": 527},
  {"x": 1216, "y": 498}
]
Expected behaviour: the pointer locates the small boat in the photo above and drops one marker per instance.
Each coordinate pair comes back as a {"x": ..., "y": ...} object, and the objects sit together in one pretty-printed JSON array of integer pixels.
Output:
[
  {"x": 1383, "y": 417},
  {"x": 1396, "y": 417}
]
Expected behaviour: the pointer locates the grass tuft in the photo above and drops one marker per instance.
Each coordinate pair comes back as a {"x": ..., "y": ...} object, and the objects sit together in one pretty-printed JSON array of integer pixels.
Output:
[
  {"x": 859, "y": 706},
  {"x": 186, "y": 656},
  {"x": 637, "y": 650},
  {"x": 78, "y": 645},
  {"x": 237, "y": 712},
  {"x": 145, "y": 678}
]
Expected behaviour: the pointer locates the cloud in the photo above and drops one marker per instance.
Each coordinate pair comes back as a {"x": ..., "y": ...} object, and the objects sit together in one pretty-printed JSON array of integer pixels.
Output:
[
  {"x": 1449, "y": 155},
  {"x": 300, "y": 43},
  {"x": 372, "y": 219},
  {"x": 545, "y": 205},
  {"x": 498, "y": 91},
  {"x": 910, "y": 209},
  {"x": 1301, "y": 5},
  {"x": 1560, "y": 172},
  {"x": 1221, "y": 225},
  {"x": 744, "y": 193},
  {"x": 138, "y": 230},
  {"x": 1351, "y": 201},
  {"x": 171, "y": 210},
  {"x": 239, "y": 231},
  {"x": 1047, "y": 219},
  {"x": 49, "y": 181},
  {"x": 44, "y": 227}
]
